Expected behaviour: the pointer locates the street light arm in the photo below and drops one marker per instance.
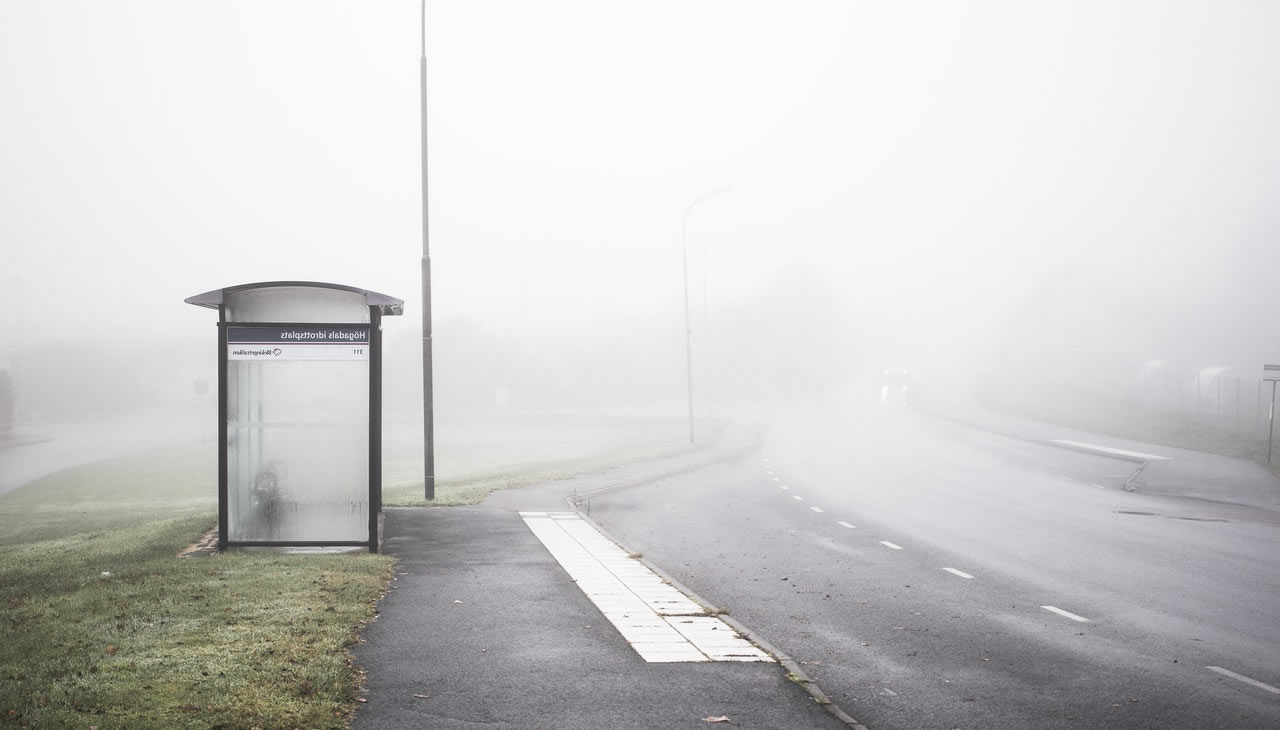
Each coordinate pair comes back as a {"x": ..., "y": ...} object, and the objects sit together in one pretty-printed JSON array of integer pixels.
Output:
[
  {"x": 688, "y": 329},
  {"x": 707, "y": 246},
  {"x": 685, "y": 224}
]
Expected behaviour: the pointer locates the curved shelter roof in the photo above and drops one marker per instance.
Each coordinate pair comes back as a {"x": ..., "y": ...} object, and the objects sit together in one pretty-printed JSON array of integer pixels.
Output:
[{"x": 217, "y": 298}]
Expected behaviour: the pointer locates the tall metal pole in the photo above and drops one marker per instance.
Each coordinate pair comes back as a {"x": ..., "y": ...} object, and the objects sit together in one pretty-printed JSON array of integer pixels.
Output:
[
  {"x": 706, "y": 323},
  {"x": 1271, "y": 428},
  {"x": 706, "y": 336},
  {"x": 688, "y": 329},
  {"x": 428, "y": 392}
]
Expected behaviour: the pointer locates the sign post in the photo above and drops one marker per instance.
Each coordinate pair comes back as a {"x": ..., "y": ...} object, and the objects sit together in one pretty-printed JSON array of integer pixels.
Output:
[{"x": 1274, "y": 372}]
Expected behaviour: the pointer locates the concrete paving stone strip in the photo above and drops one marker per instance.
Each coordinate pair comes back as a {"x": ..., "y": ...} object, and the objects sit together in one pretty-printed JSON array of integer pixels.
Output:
[{"x": 658, "y": 621}]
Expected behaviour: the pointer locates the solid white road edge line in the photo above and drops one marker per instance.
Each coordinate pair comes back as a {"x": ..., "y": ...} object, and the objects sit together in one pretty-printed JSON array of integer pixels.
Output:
[
  {"x": 1246, "y": 680},
  {"x": 1109, "y": 450},
  {"x": 960, "y": 573},
  {"x": 1068, "y": 614}
]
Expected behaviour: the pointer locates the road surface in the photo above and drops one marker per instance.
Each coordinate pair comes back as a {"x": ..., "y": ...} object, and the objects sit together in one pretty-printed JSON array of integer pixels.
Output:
[{"x": 928, "y": 575}]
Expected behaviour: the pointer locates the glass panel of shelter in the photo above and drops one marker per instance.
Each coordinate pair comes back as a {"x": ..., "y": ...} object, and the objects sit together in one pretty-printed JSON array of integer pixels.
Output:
[
  {"x": 297, "y": 430},
  {"x": 298, "y": 462}
]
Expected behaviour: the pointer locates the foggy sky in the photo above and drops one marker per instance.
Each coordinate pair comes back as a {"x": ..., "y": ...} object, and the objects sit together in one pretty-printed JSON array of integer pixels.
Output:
[{"x": 956, "y": 176}]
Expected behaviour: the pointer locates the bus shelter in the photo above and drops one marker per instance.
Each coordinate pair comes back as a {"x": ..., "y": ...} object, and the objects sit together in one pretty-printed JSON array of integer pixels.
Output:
[{"x": 299, "y": 413}]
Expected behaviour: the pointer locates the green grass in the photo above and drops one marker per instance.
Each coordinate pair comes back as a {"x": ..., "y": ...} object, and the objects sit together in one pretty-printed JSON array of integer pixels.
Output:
[
  {"x": 160, "y": 484},
  {"x": 105, "y": 626}
]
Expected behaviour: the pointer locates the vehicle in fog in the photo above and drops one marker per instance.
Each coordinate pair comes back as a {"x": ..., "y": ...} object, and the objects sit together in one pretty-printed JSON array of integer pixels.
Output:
[{"x": 895, "y": 388}]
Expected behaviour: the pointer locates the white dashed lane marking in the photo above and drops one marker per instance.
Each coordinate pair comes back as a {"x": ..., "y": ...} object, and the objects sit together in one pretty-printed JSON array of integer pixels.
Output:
[
  {"x": 658, "y": 621},
  {"x": 1247, "y": 680},
  {"x": 1068, "y": 614},
  {"x": 1052, "y": 609}
]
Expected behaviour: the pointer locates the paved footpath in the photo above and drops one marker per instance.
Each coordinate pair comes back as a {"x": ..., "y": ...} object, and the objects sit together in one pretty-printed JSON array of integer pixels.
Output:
[{"x": 518, "y": 613}]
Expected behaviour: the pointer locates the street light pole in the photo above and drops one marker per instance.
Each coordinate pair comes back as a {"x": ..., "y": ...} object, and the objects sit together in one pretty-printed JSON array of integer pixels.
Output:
[
  {"x": 688, "y": 329},
  {"x": 428, "y": 391},
  {"x": 706, "y": 321},
  {"x": 1271, "y": 421}
]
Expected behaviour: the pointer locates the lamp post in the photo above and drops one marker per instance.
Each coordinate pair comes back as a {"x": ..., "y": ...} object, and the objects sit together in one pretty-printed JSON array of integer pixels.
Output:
[
  {"x": 706, "y": 320},
  {"x": 22, "y": 313},
  {"x": 428, "y": 399},
  {"x": 688, "y": 329}
]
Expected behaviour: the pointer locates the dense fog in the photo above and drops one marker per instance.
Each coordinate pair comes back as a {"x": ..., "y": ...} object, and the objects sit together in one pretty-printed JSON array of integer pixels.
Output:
[{"x": 1018, "y": 196}]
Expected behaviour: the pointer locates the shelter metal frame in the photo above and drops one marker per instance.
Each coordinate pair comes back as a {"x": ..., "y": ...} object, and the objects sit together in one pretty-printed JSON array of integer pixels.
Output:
[{"x": 379, "y": 304}]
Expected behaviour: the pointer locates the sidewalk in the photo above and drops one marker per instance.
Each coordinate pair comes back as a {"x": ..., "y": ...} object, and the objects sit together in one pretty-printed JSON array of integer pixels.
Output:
[{"x": 483, "y": 627}]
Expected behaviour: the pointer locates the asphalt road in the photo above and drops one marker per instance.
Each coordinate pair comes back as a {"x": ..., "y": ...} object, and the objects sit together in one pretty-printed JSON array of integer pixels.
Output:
[{"x": 926, "y": 575}]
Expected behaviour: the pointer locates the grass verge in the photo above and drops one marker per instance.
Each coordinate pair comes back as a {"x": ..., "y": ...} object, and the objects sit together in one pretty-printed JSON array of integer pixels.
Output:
[
  {"x": 474, "y": 459},
  {"x": 106, "y": 627},
  {"x": 1123, "y": 418}
]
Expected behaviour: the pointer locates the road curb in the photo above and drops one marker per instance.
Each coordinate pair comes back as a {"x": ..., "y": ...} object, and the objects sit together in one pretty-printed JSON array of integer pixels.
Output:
[{"x": 794, "y": 671}]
